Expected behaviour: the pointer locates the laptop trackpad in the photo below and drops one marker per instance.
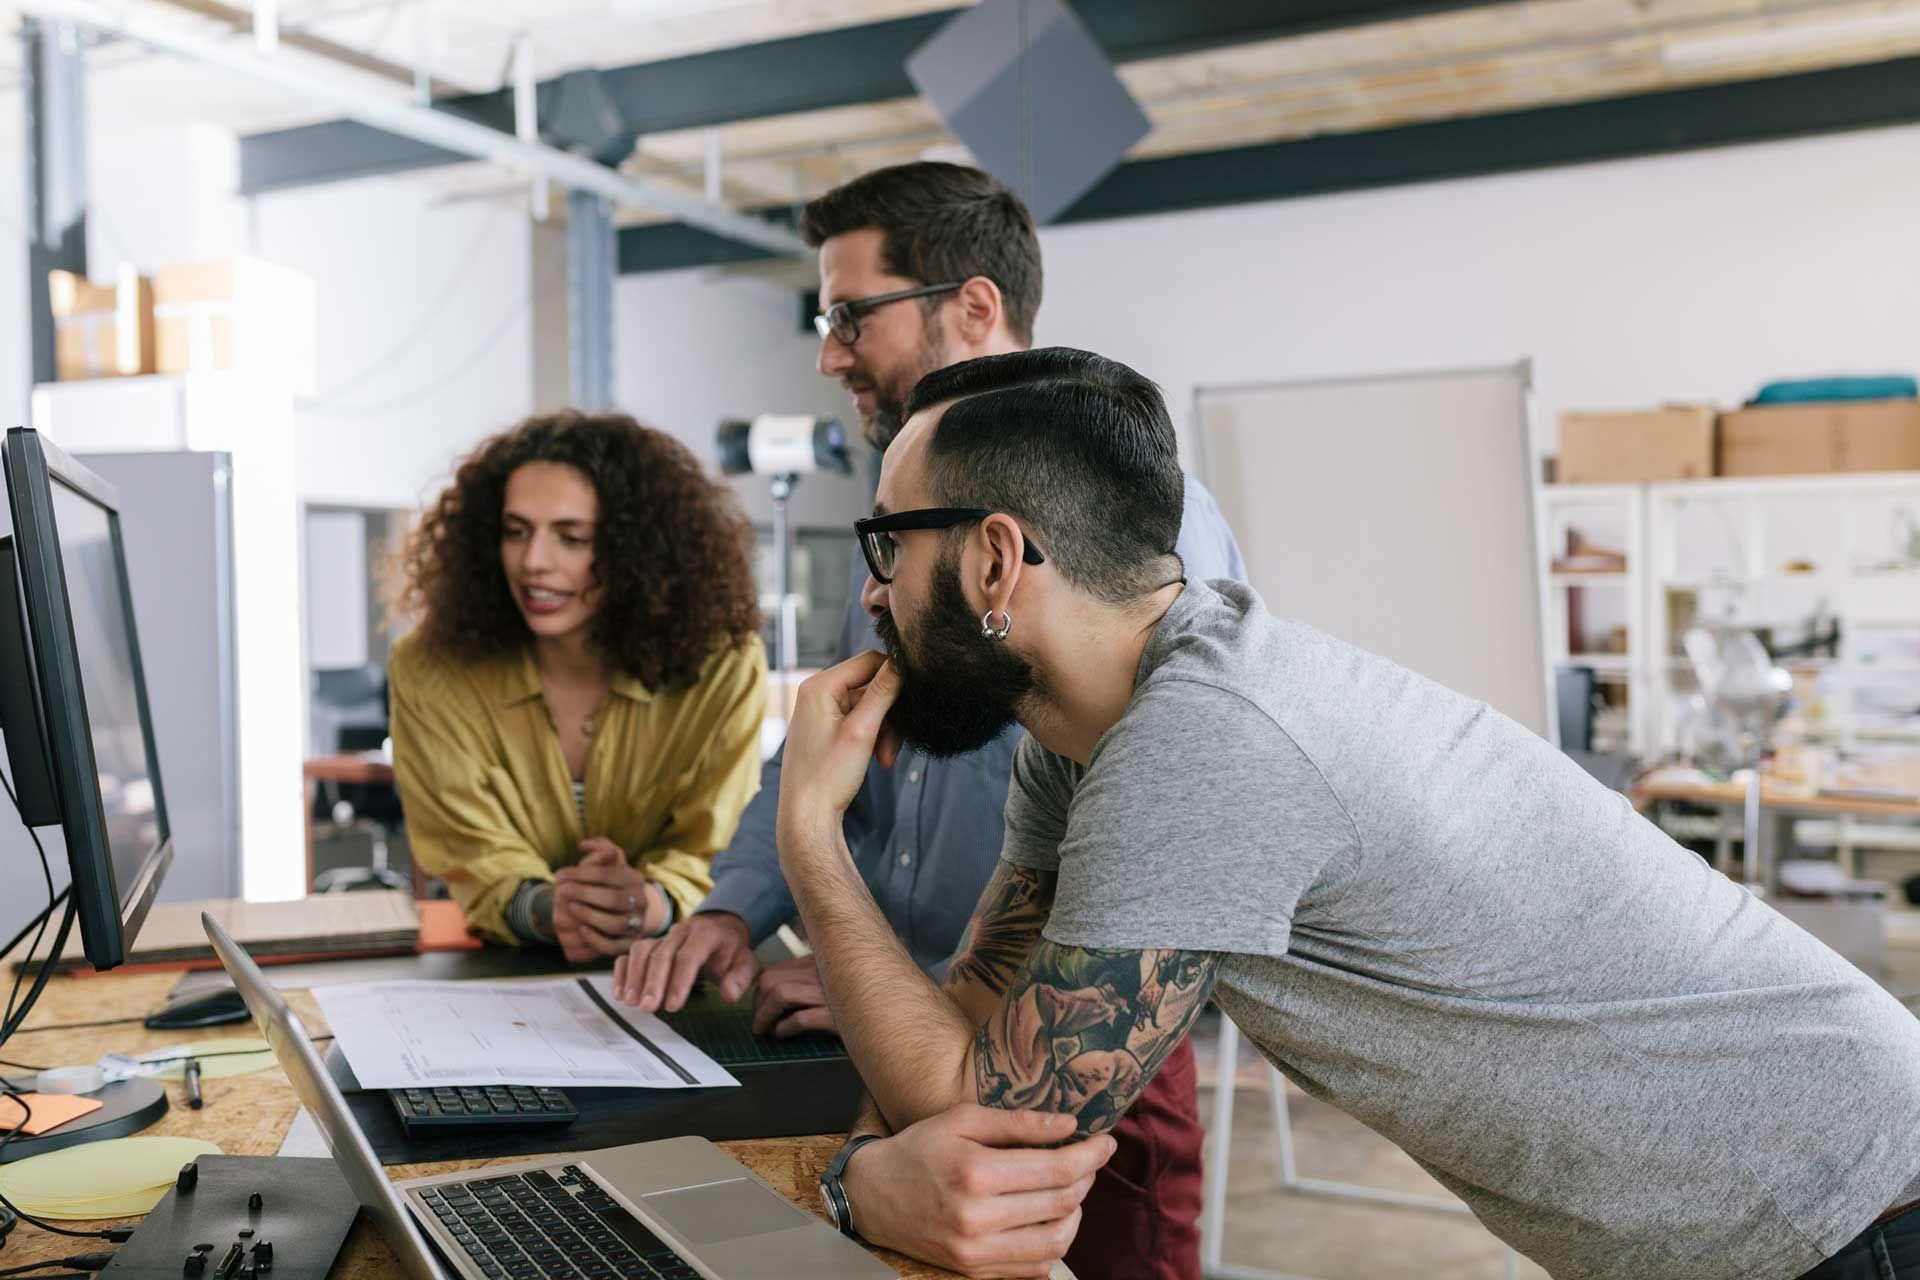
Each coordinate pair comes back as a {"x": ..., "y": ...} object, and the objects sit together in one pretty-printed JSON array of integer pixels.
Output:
[{"x": 731, "y": 1210}]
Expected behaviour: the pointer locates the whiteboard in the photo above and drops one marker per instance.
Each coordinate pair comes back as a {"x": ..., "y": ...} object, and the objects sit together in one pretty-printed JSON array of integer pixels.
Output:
[{"x": 1395, "y": 512}]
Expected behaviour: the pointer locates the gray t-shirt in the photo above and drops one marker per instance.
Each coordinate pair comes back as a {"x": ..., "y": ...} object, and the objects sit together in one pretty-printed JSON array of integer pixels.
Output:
[{"x": 1624, "y": 1063}]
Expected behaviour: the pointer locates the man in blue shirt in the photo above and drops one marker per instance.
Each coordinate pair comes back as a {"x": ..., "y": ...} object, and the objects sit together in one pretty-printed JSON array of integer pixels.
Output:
[{"x": 922, "y": 266}]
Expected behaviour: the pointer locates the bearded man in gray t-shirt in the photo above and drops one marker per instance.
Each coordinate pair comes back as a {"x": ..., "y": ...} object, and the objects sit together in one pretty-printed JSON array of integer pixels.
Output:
[{"x": 1625, "y": 1064}]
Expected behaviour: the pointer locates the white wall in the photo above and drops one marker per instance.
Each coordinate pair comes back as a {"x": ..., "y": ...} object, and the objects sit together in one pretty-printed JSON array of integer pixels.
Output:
[
  {"x": 15, "y": 355},
  {"x": 1687, "y": 277},
  {"x": 696, "y": 347},
  {"x": 425, "y": 331}
]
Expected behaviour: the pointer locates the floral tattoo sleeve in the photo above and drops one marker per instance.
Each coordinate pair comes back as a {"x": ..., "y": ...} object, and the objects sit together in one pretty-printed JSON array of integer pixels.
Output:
[
  {"x": 1082, "y": 1031},
  {"x": 1004, "y": 927}
]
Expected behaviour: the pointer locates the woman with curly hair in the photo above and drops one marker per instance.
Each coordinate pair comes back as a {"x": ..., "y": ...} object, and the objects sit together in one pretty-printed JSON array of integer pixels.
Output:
[{"x": 576, "y": 714}]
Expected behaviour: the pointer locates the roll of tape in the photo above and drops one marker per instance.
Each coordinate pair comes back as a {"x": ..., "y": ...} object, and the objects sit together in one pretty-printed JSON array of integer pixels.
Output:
[{"x": 71, "y": 1080}]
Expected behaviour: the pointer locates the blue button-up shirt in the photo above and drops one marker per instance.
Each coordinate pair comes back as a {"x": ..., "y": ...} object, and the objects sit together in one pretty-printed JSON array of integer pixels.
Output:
[{"x": 926, "y": 833}]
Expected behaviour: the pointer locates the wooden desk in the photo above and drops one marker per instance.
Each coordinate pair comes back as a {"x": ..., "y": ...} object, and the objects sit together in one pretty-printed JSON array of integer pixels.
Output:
[
  {"x": 1776, "y": 804},
  {"x": 1727, "y": 795},
  {"x": 249, "y": 1115}
]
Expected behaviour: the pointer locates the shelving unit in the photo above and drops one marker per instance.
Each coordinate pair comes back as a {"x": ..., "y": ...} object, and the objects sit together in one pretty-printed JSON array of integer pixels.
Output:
[
  {"x": 1776, "y": 553},
  {"x": 1597, "y": 603},
  {"x": 1769, "y": 553}
]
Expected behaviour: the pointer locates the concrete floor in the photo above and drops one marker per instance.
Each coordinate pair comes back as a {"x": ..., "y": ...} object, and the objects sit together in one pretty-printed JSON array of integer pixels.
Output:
[{"x": 1306, "y": 1237}]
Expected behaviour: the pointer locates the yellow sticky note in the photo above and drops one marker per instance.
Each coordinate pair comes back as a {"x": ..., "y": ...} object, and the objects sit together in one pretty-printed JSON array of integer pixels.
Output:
[
  {"x": 110, "y": 1179},
  {"x": 44, "y": 1111}
]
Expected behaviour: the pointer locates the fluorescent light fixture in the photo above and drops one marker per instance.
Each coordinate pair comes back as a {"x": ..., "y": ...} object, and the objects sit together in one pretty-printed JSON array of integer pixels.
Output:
[{"x": 1777, "y": 41}]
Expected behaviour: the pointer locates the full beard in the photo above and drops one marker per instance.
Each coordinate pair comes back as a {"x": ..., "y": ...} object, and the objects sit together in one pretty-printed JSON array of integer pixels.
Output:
[
  {"x": 961, "y": 690},
  {"x": 890, "y": 402}
]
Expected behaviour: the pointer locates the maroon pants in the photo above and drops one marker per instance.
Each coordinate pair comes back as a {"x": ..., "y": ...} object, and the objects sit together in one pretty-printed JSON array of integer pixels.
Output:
[{"x": 1142, "y": 1218}]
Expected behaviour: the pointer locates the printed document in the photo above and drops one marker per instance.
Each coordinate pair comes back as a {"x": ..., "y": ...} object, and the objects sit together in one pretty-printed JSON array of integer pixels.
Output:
[{"x": 559, "y": 1032}]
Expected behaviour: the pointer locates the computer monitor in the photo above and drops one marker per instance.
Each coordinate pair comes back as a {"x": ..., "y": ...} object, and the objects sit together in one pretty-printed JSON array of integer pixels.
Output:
[
  {"x": 78, "y": 730},
  {"x": 1573, "y": 689}
]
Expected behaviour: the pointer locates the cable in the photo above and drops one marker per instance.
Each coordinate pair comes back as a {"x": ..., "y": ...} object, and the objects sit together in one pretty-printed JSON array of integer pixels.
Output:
[
  {"x": 38, "y": 916},
  {"x": 81, "y": 1026},
  {"x": 40, "y": 979},
  {"x": 116, "y": 1234},
  {"x": 82, "y": 1261},
  {"x": 8, "y": 1021}
]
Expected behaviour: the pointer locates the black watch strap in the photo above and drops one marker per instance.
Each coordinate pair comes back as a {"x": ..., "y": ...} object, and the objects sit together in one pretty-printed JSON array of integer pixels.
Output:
[{"x": 830, "y": 1187}]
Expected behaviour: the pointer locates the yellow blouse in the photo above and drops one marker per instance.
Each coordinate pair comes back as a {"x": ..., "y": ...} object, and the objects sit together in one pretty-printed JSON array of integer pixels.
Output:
[{"x": 489, "y": 802}]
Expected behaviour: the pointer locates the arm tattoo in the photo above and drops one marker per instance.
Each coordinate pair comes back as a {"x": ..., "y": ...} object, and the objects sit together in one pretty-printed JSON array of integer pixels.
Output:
[
  {"x": 1082, "y": 1031},
  {"x": 1004, "y": 927}
]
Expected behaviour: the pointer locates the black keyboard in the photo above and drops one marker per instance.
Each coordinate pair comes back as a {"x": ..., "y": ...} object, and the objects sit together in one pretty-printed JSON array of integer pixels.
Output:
[
  {"x": 527, "y": 1226},
  {"x": 493, "y": 1106},
  {"x": 724, "y": 1032}
]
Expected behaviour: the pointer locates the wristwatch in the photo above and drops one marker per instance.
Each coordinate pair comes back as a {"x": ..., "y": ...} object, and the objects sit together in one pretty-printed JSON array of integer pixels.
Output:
[{"x": 833, "y": 1193}]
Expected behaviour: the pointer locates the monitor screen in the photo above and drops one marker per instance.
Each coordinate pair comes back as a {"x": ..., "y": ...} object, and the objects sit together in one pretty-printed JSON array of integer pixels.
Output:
[
  {"x": 102, "y": 635},
  {"x": 88, "y": 717}
]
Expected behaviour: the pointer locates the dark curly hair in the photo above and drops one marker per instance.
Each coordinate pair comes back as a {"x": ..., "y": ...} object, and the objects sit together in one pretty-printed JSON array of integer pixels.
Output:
[{"x": 670, "y": 547}]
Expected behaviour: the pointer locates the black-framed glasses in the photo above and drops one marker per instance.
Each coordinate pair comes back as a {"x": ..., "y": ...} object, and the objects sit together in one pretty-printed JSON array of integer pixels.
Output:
[
  {"x": 842, "y": 319},
  {"x": 876, "y": 535}
]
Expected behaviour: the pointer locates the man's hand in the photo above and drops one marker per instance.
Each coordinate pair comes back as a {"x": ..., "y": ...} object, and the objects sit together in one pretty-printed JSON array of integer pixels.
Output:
[
  {"x": 791, "y": 1000},
  {"x": 594, "y": 899},
  {"x": 976, "y": 1190},
  {"x": 659, "y": 973},
  {"x": 838, "y": 727}
]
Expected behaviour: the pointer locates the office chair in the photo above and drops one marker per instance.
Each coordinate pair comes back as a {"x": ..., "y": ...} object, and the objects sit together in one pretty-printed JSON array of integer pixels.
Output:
[{"x": 350, "y": 714}]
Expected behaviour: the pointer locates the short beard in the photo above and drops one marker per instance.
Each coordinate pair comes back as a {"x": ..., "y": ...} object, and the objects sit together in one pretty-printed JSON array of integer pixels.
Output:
[
  {"x": 890, "y": 403},
  {"x": 960, "y": 690}
]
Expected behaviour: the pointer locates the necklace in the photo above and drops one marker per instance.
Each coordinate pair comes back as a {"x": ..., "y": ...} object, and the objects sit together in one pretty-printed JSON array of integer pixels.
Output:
[{"x": 586, "y": 726}]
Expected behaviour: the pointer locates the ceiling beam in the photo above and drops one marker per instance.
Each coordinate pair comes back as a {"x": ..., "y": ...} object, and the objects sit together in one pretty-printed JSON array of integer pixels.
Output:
[
  {"x": 844, "y": 67},
  {"x": 323, "y": 80},
  {"x": 1862, "y": 97}
]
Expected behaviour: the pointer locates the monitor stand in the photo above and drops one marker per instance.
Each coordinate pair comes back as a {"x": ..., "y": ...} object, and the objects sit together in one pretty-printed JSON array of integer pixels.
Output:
[{"x": 127, "y": 1106}]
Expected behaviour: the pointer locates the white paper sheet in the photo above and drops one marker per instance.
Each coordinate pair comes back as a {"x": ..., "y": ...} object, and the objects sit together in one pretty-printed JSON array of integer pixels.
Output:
[{"x": 410, "y": 1035}]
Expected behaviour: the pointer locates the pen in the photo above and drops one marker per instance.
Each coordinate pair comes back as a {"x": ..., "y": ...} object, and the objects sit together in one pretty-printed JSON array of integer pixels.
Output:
[{"x": 194, "y": 1099}]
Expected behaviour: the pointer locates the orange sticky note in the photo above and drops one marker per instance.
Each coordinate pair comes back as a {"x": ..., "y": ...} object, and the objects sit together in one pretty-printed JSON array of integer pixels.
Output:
[{"x": 45, "y": 1111}]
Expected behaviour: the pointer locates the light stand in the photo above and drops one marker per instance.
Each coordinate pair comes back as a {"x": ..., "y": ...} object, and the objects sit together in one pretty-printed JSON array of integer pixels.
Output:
[
  {"x": 786, "y": 622},
  {"x": 783, "y": 447}
]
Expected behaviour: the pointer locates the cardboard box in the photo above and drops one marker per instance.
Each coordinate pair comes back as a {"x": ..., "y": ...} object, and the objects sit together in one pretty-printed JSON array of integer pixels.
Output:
[
  {"x": 1810, "y": 439},
  {"x": 240, "y": 314},
  {"x": 1674, "y": 443},
  {"x": 101, "y": 331}
]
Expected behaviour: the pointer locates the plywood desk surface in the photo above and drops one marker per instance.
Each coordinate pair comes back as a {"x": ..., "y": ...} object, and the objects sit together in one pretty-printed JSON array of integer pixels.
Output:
[
  {"x": 1731, "y": 795},
  {"x": 249, "y": 1115}
]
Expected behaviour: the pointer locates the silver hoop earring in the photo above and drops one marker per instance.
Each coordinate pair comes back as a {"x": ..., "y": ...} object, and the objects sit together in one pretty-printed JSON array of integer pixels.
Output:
[{"x": 991, "y": 632}]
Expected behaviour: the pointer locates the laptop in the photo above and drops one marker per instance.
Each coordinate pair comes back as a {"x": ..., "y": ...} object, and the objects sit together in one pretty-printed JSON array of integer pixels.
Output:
[{"x": 671, "y": 1210}]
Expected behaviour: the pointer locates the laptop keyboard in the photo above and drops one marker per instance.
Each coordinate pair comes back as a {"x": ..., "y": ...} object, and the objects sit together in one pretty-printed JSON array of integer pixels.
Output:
[
  {"x": 528, "y": 1226},
  {"x": 724, "y": 1032}
]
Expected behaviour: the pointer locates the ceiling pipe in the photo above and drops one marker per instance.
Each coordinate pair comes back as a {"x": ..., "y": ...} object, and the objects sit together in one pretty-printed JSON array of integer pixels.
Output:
[
  {"x": 348, "y": 94},
  {"x": 526, "y": 117},
  {"x": 241, "y": 20},
  {"x": 266, "y": 26}
]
